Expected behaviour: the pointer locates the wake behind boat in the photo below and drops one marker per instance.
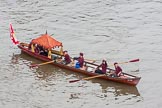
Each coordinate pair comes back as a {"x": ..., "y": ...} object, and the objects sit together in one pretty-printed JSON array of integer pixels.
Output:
[{"x": 44, "y": 48}]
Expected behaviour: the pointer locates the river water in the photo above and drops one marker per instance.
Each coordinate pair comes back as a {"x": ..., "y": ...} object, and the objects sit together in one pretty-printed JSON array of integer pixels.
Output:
[{"x": 117, "y": 30}]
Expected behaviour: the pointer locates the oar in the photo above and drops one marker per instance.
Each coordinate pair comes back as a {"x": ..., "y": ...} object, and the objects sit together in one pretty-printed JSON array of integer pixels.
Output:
[
  {"x": 135, "y": 60},
  {"x": 88, "y": 60},
  {"x": 35, "y": 65},
  {"x": 88, "y": 78}
]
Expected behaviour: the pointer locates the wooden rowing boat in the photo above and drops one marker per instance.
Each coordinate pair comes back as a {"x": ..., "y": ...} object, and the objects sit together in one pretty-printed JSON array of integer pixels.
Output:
[
  {"x": 127, "y": 79},
  {"x": 50, "y": 43}
]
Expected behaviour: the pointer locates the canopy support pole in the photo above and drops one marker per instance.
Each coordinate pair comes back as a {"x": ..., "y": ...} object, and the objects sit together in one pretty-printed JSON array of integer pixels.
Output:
[
  {"x": 32, "y": 48},
  {"x": 49, "y": 54},
  {"x": 61, "y": 50}
]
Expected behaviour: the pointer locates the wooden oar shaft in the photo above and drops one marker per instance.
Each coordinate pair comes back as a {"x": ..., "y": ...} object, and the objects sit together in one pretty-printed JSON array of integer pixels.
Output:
[
  {"x": 96, "y": 65},
  {"x": 122, "y": 62},
  {"x": 88, "y": 78},
  {"x": 35, "y": 65},
  {"x": 135, "y": 60},
  {"x": 88, "y": 60},
  {"x": 45, "y": 63}
]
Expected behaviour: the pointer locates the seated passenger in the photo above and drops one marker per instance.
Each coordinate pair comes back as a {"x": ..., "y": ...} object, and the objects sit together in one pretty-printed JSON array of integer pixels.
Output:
[
  {"x": 43, "y": 52},
  {"x": 36, "y": 49},
  {"x": 103, "y": 68}
]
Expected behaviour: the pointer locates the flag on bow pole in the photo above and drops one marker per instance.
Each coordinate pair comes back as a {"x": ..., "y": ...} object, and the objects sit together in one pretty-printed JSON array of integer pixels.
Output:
[{"x": 12, "y": 36}]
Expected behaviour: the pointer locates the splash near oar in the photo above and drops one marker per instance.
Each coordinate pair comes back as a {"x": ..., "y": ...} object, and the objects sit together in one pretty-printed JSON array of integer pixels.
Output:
[{"x": 12, "y": 36}]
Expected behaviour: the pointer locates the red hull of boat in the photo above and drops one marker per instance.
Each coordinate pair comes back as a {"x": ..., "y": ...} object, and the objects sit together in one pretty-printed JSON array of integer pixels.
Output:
[{"x": 129, "y": 81}]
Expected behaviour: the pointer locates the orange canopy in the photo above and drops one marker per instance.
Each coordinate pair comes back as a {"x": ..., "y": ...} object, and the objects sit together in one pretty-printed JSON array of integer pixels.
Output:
[{"x": 46, "y": 41}]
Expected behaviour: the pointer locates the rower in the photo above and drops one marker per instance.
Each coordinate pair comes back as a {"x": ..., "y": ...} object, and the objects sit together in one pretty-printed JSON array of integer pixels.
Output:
[
  {"x": 80, "y": 62},
  {"x": 118, "y": 71},
  {"x": 67, "y": 59},
  {"x": 104, "y": 66}
]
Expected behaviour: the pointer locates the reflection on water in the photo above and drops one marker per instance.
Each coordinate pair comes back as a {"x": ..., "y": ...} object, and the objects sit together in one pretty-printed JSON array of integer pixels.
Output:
[{"x": 116, "y": 88}]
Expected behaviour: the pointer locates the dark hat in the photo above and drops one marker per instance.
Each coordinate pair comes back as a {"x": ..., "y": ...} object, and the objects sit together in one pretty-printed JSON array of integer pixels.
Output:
[
  {"x": 115, "y": 63},
  {"x": 64, "y": 51},
  {"x": 81, "y": 54},
  {"x": 104, "y": 60}
]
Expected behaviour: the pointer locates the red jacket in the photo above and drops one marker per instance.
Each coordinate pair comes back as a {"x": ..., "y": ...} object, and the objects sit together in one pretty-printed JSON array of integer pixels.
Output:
[
  {"x": 104, "y": 67},
  {"x": 118, "y": 70},
  {"x": 81, "y": 61},
  {"x": 67, "y": 58}
]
